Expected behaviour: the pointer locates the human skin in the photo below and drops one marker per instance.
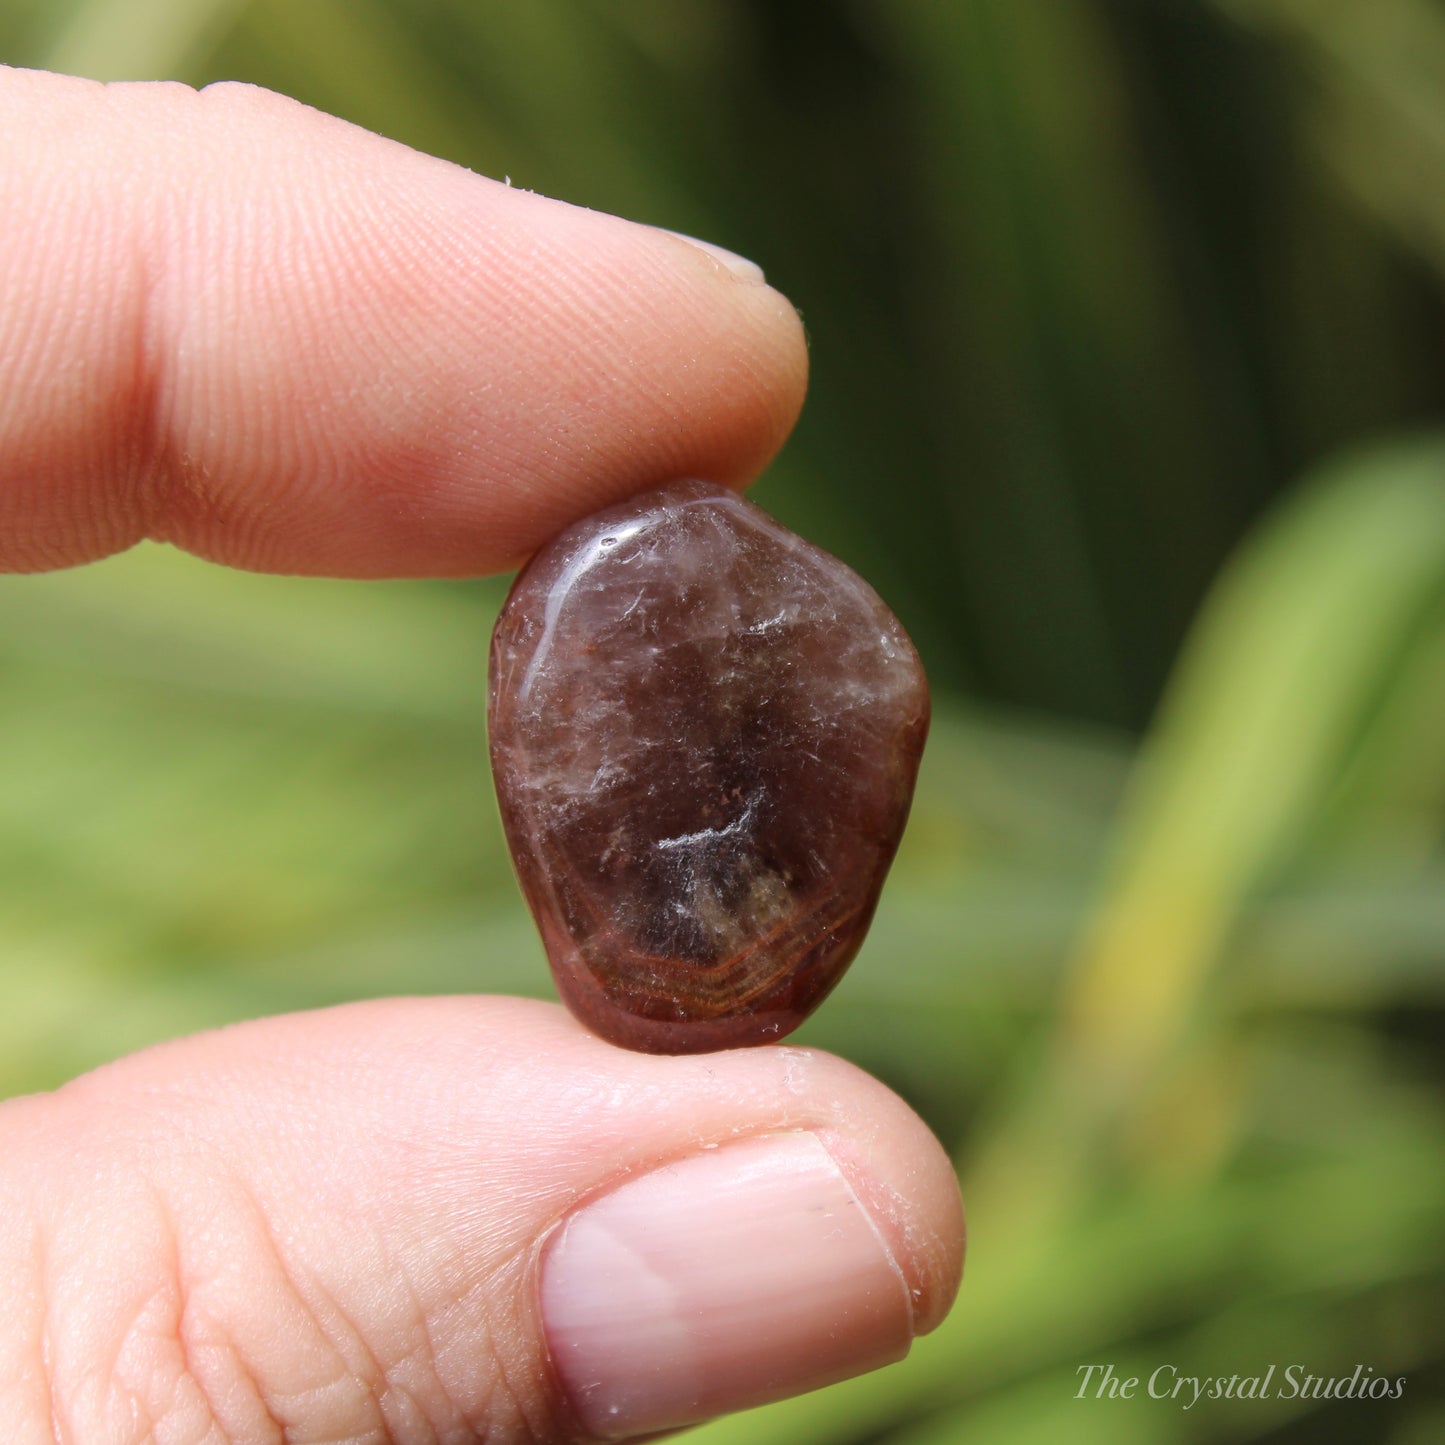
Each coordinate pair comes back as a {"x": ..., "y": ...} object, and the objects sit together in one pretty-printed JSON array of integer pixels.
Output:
[{"x": 233, "y": 324}]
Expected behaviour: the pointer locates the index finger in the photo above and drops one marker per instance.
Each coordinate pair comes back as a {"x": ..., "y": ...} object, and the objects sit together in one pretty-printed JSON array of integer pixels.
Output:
[{"x": 233, "y": 323}]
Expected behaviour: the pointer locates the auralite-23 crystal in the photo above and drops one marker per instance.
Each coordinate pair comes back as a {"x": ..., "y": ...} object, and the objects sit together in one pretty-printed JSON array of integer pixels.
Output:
[{"x": 705, "y": 733}]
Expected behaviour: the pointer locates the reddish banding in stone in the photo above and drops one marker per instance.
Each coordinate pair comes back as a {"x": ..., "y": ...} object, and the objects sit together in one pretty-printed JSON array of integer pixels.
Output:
[{"x": 705, "y": 733}]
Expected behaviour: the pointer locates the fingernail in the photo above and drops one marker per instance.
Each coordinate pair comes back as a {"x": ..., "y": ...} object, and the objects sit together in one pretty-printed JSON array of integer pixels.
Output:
[
  {"x": 740, "y": 266},
  {"x": 736, "y": 1276}
]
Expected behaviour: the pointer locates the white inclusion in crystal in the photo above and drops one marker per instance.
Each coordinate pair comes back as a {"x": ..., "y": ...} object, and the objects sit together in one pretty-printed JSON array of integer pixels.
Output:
[
  {"x": 772, "y": 622},
  {"x": 704, "y": 836}
]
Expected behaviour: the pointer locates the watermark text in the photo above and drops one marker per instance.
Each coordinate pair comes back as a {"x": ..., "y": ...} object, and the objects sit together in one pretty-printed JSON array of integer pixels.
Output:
[{"x": 1287, "y": 1382}]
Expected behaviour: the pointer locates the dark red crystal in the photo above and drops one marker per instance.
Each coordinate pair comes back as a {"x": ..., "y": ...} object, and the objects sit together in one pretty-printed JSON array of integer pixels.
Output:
[{"x": 705, "y": 733}]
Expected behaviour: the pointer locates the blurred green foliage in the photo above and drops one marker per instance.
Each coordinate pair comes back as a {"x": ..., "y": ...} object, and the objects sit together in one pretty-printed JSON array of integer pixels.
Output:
[{"x": 1127, "y": 341}]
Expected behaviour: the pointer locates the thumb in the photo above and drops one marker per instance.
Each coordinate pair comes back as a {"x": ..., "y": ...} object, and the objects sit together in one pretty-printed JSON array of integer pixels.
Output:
[{"x": 456, "y": 1219}]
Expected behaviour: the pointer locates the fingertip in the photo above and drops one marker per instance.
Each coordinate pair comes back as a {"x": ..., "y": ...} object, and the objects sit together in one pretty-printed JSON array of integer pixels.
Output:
[
  {"x": 898, "y": 1168},
  {"x": 519, "y": 1225},
  {"x": 739, "y": 266},
  {"x": 322, "y": 352},
  {"x": 733, "y": 1276},
  {"x": 758, "y": 1266},
  {"x": 467, "y": 369}
]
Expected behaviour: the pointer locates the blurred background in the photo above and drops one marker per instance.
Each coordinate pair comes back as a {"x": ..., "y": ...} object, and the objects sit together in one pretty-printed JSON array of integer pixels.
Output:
[{"x": 1128, "y": 336}]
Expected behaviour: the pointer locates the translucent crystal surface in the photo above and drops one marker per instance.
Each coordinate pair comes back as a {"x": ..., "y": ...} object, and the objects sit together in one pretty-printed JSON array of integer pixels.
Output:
[{"x": 705, "y": 733}]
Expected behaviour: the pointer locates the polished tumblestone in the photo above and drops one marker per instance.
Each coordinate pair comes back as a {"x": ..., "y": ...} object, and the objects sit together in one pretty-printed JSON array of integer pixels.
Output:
[{"x": 705, "y": 733}]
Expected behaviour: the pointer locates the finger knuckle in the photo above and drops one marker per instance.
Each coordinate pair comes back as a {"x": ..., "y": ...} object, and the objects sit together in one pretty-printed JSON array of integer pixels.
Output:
[{"x": 178, "y": 1311}]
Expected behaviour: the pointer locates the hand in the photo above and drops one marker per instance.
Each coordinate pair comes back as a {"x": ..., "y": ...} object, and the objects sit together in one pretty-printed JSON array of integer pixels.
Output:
[{"x": 233, "y": 324}]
